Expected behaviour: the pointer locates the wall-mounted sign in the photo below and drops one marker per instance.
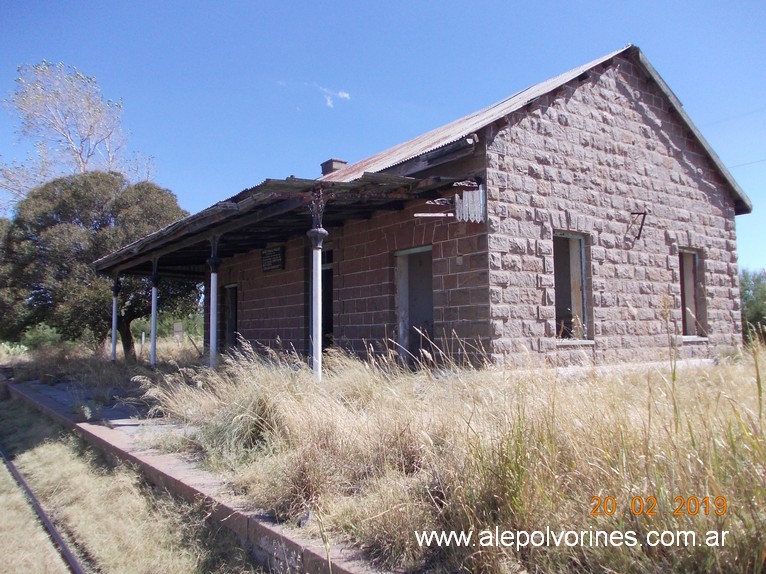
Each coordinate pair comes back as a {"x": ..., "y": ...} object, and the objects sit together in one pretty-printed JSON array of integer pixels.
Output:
[{"x": 273, "y": 258}]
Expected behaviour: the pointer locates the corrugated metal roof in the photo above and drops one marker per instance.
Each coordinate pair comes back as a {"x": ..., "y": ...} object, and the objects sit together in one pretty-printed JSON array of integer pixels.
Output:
[
  {"x": 474, "y": 122},
  {"x": 460, "y": 128}
]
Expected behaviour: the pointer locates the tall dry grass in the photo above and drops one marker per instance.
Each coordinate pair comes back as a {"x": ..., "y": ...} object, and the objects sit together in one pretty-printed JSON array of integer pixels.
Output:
[
  {"x": 377, "y": 452},
  {"x": 78, "y": 364},
  {"x": 116, "y": 522}
]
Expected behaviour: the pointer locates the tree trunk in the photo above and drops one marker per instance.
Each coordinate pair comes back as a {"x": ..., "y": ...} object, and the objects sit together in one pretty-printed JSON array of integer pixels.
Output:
[{"x": 128, "y": 345}]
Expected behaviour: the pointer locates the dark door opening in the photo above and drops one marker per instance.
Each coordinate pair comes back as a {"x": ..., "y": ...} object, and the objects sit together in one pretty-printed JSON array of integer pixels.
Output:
[{"x": 415, "y": 299}]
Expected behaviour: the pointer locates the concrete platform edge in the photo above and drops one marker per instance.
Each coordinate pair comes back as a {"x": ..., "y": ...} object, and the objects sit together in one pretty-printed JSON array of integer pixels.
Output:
[{"x": 270, "y": 544}]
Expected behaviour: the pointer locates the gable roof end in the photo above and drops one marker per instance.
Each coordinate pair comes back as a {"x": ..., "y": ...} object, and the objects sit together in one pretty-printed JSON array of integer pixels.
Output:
[
  {"x": 474, "y": 122},
  {"x": 742, "y": 203}
]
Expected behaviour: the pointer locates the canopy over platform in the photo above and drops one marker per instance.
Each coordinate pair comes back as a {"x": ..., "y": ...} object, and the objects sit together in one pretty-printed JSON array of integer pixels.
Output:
[{"x": 269, "y": 212}]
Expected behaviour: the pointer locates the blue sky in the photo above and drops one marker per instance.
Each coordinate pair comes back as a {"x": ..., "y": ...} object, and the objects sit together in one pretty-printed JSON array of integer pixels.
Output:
[{"x": 225, "y": 94}]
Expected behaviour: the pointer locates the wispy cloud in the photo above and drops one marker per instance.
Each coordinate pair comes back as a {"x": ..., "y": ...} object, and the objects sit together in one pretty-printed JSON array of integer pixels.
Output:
[{"x": 331, "y": 95}]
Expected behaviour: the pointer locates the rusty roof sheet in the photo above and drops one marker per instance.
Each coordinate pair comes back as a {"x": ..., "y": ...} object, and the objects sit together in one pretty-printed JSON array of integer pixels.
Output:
[
  {"x": 460, "y": 128},
  {"x": 472, "y": 123}
]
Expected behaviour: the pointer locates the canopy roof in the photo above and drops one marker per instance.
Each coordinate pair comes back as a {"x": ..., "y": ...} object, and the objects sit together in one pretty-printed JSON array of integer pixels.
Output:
[{"x": 267, "y": 213}]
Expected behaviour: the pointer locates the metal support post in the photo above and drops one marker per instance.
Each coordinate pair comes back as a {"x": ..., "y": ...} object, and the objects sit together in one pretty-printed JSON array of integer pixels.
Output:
[
  {"x": 153, "y": 342},
  {"x": 115, "y": 293},
  {"x": 317, "y": 234},
  {"x": 214, "y": 263}
]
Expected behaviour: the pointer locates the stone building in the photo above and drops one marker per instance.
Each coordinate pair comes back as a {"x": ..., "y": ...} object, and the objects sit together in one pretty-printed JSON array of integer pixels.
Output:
[{"x": 584, "y": 219}]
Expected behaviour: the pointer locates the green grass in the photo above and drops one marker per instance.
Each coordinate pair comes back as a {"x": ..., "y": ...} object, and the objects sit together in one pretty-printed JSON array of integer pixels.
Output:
[{"x": 376, "y": 452}]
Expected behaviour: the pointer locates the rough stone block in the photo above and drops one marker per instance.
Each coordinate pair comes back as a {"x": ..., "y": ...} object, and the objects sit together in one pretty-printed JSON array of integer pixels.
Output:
[{"x": 544, "y": 312}]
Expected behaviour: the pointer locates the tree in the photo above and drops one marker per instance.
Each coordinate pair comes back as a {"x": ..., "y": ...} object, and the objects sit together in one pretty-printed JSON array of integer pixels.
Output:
[
  {"x": 73, "y": 128},
  {"x": 59, "y": 229},
  {"x": 14, "y": 311},
  {"x": 752, "y": 287}
]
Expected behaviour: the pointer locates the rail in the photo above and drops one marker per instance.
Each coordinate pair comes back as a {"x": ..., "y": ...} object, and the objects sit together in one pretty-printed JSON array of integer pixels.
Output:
[{"x": 71, "y": 561}]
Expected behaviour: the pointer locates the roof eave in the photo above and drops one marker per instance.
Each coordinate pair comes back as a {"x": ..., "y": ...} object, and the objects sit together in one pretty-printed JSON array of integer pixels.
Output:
[{"x": 270, "y": 199}]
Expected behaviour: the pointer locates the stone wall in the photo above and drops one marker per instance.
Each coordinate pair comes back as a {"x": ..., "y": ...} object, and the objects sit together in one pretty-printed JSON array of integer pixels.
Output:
[
  {"x": 273, "y": 305},
  {"x": 582, "y": 160},
  {"x": 365, "y": 276}
]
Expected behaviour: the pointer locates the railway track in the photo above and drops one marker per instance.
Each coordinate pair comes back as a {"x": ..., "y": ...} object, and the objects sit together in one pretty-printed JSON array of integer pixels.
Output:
[{"x": 68, "y": 556}]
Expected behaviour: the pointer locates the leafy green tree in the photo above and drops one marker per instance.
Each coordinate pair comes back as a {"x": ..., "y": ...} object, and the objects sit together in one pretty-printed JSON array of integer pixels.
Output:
[
  {"x": 753, "y": 293},
  {"x": 59, "y": 229},
  {"x": 15, "y": 313}
]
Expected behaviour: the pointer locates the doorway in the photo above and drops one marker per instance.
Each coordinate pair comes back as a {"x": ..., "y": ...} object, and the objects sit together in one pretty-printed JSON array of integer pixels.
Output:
[{"x": 415, "y": 299}]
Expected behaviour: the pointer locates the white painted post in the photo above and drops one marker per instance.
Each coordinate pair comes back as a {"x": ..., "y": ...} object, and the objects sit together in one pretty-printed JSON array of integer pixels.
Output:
[
  {"x": 114, "y": 329},
  {"x": 153, "y": 340},
  {"x": 316, "y": 310},
  {"x": 213, "y": 319},
  {"x": 115, "y": 292},
  {"x": 214, "y": 263},
  {"x": 317, "y": 235}
]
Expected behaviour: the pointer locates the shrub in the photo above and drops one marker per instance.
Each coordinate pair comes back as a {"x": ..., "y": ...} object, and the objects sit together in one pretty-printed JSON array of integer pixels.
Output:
[
  {"x": 40, "y": 336},
  {"x": 8, "y": 349},
  {"x": 753, "y": 293}
]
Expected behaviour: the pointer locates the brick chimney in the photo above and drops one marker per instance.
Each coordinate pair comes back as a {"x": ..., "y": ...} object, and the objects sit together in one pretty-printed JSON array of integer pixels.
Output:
[{"x": 332, "y": 165}]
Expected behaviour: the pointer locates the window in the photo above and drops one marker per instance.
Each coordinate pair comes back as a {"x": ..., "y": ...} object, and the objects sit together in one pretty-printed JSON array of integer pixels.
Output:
[
  {"x": 569, "y": 283},
  {"x": 692, "y": 289}
]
